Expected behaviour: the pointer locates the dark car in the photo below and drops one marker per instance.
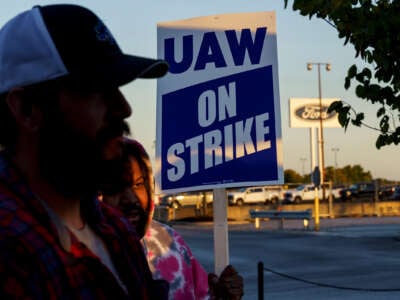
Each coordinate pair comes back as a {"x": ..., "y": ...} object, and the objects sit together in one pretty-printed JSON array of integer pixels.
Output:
[
  {"x": 396, "y": 194},
  {"x": 386, "y": 192},
  {"x": 358, "y": 190}
]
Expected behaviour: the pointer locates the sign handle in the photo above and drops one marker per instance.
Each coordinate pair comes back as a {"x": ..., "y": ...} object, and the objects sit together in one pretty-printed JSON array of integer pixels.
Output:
[
  {"x": 316, "y": 209},
  {"x": 221, "y": 242}
]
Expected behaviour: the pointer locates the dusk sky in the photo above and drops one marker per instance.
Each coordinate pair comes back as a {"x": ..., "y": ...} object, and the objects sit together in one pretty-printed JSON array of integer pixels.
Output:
[{"x": 300, "y": 40}]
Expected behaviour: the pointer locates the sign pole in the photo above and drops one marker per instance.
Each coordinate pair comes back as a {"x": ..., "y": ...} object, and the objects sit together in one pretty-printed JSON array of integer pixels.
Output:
[
  {"x": 312, "y": 150},
  {"x": 317, "y": 184},
  {"x": 221, "y": 242},
  {"x": 316, "y": 210}
]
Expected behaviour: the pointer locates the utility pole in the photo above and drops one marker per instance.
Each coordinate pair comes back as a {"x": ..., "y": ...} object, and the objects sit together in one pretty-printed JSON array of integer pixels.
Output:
[
  {"x": 303, "y": 160},
  {"x": 321, "y": 127},
  {"x": 335, "y": 151}
]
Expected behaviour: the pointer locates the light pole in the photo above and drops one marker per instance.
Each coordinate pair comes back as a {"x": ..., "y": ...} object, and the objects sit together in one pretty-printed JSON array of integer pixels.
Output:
[
  {"x": 303, "y": 160},
  {"x": 321, "y": 127},
  {"x": 335, "y": 151}
]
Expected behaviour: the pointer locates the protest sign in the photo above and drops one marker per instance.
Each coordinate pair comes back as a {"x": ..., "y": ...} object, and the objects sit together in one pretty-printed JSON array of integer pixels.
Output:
[{"x": 218, "y": 111}]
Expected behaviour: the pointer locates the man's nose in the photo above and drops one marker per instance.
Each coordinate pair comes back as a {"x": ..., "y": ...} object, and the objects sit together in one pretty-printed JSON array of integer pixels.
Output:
[{"x": 121, "y": 107}]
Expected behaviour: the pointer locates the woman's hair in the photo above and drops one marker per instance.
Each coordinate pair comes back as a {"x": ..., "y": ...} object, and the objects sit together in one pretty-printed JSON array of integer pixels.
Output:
[{"x": 134, "y": 150}]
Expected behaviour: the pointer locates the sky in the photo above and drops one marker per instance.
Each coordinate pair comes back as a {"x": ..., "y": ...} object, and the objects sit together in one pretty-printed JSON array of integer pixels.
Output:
[{"x": 300, "y": 40}]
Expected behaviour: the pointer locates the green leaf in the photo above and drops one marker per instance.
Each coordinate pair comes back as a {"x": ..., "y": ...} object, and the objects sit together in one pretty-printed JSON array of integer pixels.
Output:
[
  {"x": 358, "y": 120},
  {"x": 380, "y": 112},
  {"x": 370, "y": 57},
  {"x": 367, "y": 74},
  {"x": 335, "y": 106},
  {"x": 347, "y": 83},
  {"x": 343, "y": 117},
  {"x": 360, "y": 91},
  {"x": 384, "y": 124},
  {"x": 380, "y": 141},
  {"x": 352, "y": 71}
]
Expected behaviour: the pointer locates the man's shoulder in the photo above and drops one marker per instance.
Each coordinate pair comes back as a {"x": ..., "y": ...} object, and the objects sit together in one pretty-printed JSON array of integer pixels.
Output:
[
  {"x": 21, "y": 221},
  {"x": 17, "y": 229},
  {"x": 12, "y": 187},
  {"x": 8, "y": 212},
  {"x": 7, "y": 168},
  {"x": 15, "y": 220}
]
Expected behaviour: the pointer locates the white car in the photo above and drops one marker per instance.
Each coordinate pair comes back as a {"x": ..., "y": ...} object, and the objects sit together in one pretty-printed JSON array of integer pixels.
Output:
[
  {"x": 306, "y": 192},
  {"x": 186, "y": 199},
  {"x": 258, "y": 194},
  {"x": 301, "y": 193}
]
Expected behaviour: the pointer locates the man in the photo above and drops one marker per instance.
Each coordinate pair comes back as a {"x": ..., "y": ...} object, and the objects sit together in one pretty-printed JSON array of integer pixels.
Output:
[{"x": 61, "y": 119}]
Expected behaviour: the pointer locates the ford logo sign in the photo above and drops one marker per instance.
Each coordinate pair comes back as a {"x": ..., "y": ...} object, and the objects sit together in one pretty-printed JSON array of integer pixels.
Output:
[{"x": 311, "y": 112}]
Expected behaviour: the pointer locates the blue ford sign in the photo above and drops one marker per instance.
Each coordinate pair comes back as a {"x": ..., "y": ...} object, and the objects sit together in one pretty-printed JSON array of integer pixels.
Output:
[
  {"x": 312, "y": 112},
  {"x": 306, "y": 113}
]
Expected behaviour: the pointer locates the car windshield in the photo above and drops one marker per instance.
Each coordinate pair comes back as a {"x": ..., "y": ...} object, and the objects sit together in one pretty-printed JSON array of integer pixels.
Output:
[
  {"x": 300, "y": 188},
  {"x": 242, "y": 190}
]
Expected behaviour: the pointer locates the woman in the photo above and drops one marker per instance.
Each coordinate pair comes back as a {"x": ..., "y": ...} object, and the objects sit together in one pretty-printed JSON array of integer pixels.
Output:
[{"x": 169, "y": 257}]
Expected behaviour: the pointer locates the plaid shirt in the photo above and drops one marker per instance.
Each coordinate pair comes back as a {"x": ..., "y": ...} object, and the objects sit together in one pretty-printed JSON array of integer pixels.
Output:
[{"x": 34, "y": 264}]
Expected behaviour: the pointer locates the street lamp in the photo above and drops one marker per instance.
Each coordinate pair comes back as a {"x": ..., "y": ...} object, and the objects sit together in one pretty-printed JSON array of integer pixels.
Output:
[
  {"x": 303, "y": 160},
  {"x": 335, "y": 151},
  {"x": 321, "y": 128}
]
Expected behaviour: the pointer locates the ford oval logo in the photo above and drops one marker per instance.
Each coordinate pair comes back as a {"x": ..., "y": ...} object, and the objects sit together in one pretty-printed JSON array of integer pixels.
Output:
[{"x": 311, "y": 112}]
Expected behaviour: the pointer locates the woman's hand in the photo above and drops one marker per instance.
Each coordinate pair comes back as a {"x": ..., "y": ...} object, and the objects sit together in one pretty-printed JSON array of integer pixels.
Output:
[{"x": 229, "y": 285}]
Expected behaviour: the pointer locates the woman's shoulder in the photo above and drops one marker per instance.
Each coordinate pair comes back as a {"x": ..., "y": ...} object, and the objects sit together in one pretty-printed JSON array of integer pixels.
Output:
[
  {"x": 162, "y": 229},
  {"x": 159, "y": 226}
]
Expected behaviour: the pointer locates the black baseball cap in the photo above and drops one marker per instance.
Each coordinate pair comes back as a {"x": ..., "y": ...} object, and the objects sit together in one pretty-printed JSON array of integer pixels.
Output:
[{"x": 48, "y": 42}]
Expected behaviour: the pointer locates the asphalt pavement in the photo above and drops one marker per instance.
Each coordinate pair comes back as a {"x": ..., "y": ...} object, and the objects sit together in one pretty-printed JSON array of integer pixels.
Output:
[{"x": 348, "y": 258}]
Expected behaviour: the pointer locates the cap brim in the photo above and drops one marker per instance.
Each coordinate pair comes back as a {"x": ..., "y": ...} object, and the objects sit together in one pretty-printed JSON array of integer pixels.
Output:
[
  {"x": 151, "y": 68},
  {"x": 128, "y": 67},
  {"x": 121, "y": 69}
]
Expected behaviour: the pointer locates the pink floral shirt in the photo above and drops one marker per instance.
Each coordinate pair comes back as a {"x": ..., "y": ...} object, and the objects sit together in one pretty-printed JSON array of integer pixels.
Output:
[{"x": 171, "y": 259}]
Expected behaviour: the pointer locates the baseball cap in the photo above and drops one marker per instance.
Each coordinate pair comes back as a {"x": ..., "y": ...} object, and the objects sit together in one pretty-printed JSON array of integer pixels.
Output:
[{"x": 48, "y": 42}]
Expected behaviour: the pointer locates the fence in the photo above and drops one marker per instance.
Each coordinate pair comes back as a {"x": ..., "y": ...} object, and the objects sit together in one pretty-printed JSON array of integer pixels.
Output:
[
  {"x": 281, "y": 215},
  {"x": 241, "y": 213},
  {"x": 260, "y": 279}
]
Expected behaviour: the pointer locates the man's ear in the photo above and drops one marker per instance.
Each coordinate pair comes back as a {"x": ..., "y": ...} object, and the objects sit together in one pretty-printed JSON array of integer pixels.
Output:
[{"x": 25, "y": 113}]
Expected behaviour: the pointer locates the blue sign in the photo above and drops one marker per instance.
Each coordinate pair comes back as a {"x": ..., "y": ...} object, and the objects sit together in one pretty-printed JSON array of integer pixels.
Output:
[
  {"x": 218, "y": 131},
  {"x": 208, "y": 146}
]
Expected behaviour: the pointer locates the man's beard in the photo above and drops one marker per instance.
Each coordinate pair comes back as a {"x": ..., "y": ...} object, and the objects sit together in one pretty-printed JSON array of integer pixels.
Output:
[{"x": 71, "y": 161}]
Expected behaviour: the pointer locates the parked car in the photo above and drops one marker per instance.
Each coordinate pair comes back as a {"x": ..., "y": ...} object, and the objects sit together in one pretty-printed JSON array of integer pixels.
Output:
[
  {"x": 300, "y": 193},
  {"x": 396, "y": 194},
  {"x": 358, "y": 190},
  {"x": 186, "y": 199},
  {"x": 306, "y": 192},
  {"x": 386, "y": 192},
  {"x": 336, "y": 190},
  {"x": 251, "y": 195}
]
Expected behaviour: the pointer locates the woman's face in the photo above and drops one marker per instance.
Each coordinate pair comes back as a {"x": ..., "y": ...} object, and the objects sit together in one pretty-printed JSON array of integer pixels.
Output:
[
  {"x": 139, "y": 185},
  {"x": 133, "y": 201}
]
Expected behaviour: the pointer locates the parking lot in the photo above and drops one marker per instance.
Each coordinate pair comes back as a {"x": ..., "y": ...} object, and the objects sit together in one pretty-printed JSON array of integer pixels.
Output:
[{"x": 359, "y": 257}]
